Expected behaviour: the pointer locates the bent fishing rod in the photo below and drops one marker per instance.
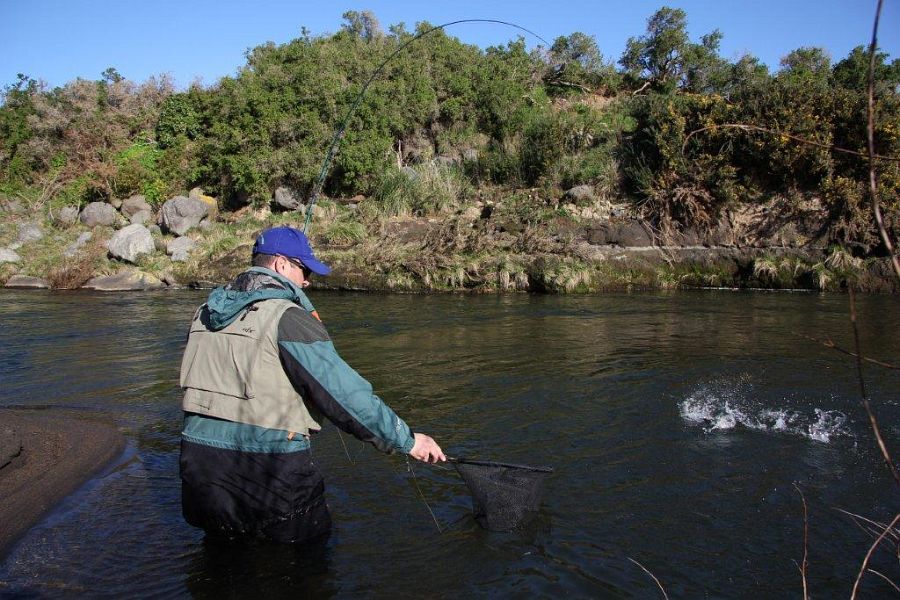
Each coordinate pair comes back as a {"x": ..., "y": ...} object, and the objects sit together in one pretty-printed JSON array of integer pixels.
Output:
[{"x": 339, "y": 133}]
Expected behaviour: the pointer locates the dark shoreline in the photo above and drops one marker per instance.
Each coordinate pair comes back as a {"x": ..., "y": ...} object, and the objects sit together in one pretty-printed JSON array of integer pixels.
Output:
[{"x": 50, "y": 454}]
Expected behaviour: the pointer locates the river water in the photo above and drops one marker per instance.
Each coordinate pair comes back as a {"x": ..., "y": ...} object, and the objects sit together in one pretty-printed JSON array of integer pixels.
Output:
[{"x": 677, "y": 424}]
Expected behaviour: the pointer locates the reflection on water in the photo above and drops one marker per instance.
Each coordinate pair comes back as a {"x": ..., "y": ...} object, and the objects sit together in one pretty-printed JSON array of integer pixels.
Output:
[{"x": 676, "y": 422}]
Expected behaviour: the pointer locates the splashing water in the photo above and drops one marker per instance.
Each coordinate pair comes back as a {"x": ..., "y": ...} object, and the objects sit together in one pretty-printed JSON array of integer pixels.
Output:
[{"x": 722, "y": 407}]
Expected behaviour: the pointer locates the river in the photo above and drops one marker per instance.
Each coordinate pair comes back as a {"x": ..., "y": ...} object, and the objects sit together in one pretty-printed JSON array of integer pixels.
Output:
[{"x": 678, "y": 425}]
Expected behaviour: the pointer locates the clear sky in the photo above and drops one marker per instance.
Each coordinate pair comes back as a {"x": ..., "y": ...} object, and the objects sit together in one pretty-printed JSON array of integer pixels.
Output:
[{"x": 59, "y": 40}]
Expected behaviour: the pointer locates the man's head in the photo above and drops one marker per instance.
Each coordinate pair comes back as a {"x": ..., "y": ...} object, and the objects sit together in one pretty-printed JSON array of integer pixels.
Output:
[{"x": 287, "y": 251}]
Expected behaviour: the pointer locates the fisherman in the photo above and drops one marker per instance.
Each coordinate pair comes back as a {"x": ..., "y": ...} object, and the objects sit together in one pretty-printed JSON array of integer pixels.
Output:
[{"x": 260, "y": 374}]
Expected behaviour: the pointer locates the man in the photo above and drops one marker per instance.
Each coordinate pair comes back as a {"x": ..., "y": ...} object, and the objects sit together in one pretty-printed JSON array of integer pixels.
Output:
[{"x": 259, "y": 375}]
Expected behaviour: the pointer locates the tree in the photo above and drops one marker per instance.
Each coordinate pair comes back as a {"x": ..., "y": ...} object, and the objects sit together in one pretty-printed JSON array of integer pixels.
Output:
[
  {"x": 576, "y": 61},
  {"x": 666, "y": 58},
  {"x": 852, "y": 73},
  {"x": 362, "y": 25}
]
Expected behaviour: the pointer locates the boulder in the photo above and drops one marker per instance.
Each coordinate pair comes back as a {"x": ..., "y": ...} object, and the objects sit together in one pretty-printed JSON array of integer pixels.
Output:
[
  {"x": 13, "y": 207},
  {"x": 116, "y": 203},
  {"x": 124, "y": 281},
  {"x": 159, "y": 242},
  {"x": 98, "y": 213},
  {"x": 179, "y": 248},
  {"x": 130, "y": 242},
  {"x": 29, "y": 232},
  {"x": 68, "y": 215},
  {"x": 630, "y": 233},
  {"x": 9, "y": 256},
  {"x": 25, "y": 281},
  {"x": 580, "y": 195},
  {"x": 196, "y": 193},
  {"x": 180, "y": 214},
  {"x": 134, "y": 205},
  {"x": 287, "y": 198},
  {"x": 75, "y": 246},
  {"x": 141, "y": 217}
]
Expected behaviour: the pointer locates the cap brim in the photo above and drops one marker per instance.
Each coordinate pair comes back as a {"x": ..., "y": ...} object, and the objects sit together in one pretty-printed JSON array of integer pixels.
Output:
[{"x": 315, "y": 266}]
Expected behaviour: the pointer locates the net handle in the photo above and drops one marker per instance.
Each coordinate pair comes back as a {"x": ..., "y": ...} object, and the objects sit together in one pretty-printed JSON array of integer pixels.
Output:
[{"x": 491, "y": 463}]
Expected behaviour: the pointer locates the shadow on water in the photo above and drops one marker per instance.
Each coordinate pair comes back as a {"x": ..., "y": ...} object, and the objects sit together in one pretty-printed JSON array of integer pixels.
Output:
[{"x": 677, "y": 424}]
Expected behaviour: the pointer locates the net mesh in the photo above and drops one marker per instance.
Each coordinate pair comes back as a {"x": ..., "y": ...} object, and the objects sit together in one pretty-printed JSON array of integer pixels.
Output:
[{"x": 504, "y": 497}]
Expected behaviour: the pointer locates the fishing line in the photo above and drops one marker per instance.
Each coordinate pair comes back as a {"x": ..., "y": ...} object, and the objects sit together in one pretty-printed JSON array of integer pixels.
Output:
[{"x": 339, "y": 133}]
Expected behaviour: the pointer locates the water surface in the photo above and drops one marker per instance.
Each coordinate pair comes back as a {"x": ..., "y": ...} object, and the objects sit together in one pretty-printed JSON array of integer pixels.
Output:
[{"x": 678, "y": 424}]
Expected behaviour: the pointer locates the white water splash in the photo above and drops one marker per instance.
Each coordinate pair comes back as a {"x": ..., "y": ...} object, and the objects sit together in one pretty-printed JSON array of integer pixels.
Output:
[{"x": 722, "y": 407}]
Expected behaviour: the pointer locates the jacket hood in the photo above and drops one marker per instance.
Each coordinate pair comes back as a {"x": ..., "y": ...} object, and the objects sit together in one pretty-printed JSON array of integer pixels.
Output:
[{"x": 225, "y": 303}]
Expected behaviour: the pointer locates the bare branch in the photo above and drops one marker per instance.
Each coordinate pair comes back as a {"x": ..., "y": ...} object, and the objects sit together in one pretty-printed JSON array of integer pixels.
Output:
[
  {"x": 805, "y": 562},
  {"x": 796, "y": 138},
  {"x": 865, "y": 400},
  {"x": 865, "y": 563},
  {"x": 828, "y": 343},
  {"x": 883, "y": 576},
  {"x": 661, "y": 588},
  {"x": 870, "y": 134}
]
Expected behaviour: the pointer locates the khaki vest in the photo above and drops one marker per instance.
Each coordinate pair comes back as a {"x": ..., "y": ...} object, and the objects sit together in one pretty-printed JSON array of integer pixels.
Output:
[{"x": 235, "y": 373}]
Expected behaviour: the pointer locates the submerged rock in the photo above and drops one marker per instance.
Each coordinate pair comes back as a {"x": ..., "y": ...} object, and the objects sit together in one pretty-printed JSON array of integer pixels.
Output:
[
  {"x": 123, "y": 281},
  {"x": 26, "y": 281}
]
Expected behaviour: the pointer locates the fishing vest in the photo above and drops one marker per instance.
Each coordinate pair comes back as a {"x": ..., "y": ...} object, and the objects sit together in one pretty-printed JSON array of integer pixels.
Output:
[{"x": 235, "y": 373}]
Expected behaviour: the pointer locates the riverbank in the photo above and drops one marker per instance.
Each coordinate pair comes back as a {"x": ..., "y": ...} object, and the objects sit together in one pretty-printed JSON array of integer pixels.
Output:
[
  {"x": 497, "y": 245},
  {"x": 45, "y": 455}
]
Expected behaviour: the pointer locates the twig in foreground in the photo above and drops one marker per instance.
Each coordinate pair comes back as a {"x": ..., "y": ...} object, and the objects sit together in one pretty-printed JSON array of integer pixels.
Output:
[
  {"x": 805, "y": 562},
  {"x": 865, "y": 563},
  {"x": 661, "y": 588}
]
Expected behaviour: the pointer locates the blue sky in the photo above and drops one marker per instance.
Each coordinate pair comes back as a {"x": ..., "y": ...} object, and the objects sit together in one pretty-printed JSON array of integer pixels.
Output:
[{"x": 59, "y": 40}]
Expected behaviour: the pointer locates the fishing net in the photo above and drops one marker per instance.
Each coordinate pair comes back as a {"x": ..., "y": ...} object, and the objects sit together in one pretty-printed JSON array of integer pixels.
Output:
[{"x": 504, "y": 496}]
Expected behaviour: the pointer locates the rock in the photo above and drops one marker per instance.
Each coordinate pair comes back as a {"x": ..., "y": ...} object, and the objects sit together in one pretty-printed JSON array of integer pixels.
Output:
[
  {"x": 134, "y": 205},
  {"x": 124, "y": 281},
  {"x": 29, "y": 232},
  {"x": 13, "y": 207},
  {"x": 445, "y": 162},
  {"x": 116, "y": 203},
  {"x": 15, "y": 246},
  {"x": 287, "y": 198},
  {"x": 159, "y": 243},
  {"x": 179, "y": 248},
  {"x": 75, "y": 246},
  {"x": 180, "y": 214},
  {"x": 68, "y": 215},
  {"x": 628, "y": 234},
  {"x": 212, "y": 205},
  {"x": 580, "y": 195},
  {"x": 196, "y": 193},
  {"x": 205, "y": 225},
  {"x": 24, "y": 281},
  {"x": 98, "y": 213},
  {"x": 9, "y": 256},
  {"x": 155, "y": 230},
  {"x": 141, "y": 217},
  {"x": 130, "y": 242}
]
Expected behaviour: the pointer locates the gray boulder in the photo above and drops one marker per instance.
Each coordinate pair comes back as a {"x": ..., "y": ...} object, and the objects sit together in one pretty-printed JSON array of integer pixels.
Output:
[
  {"x": 75, "y": 246},
  {"x": 580, "y": 195},
  {"x": 287, "y": 198},
  {"x": 196, "y": 193},
  {"x": 68, "y": 215},
  {"x": 98, "y": 213},
  {"x": 135, "y": 204},
  {"x": 25, "y": 281},
  {"x": 180, "y": 214},
  {"x": 130, "y": 242},
  {"x": 179, "y": 248},
  {"x": 13, "y": 207},
  {"x": 124, "y": 281},
  {"x": 29, "y": 232},
  {"x": 141, "y": 217},
  {"x": 9, "y": 256}
]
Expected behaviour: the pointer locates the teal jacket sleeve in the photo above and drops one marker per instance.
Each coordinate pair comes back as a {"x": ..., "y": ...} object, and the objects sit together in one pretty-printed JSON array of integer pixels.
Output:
[{"x": 324, "y": 379}]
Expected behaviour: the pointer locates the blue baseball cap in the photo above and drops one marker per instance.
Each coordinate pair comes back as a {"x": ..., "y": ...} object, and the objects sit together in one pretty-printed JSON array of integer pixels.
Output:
[{"x": 289, "y": 242}]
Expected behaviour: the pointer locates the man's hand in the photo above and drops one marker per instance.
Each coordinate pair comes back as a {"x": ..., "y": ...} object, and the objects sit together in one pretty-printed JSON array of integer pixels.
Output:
[{"x": 426, "y": 449}]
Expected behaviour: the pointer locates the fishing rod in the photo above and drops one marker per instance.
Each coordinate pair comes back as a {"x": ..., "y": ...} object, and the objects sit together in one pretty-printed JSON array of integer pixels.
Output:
[{"x": 339, "y": 133}]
